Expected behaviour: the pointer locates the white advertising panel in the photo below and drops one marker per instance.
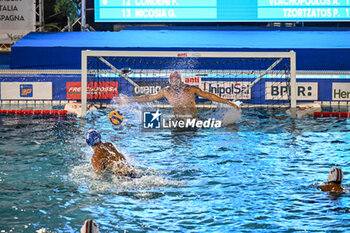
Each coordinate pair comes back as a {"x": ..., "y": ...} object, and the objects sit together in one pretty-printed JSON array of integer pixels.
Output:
[
  {"x": 341, "y": 91},
  {"x": 26, "y": 90},
  {"x": 17, "y": 18},
  {"x": 280, "y": 91},
  {"x": 228, "y": 90}
]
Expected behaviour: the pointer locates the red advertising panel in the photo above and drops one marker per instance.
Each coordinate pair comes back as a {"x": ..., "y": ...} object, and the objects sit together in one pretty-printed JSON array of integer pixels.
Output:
[{"x": 95, "y": 90}]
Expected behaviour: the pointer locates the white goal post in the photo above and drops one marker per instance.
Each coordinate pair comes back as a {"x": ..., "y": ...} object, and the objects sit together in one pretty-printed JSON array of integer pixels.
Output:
[{"x": 101, "y": 55}]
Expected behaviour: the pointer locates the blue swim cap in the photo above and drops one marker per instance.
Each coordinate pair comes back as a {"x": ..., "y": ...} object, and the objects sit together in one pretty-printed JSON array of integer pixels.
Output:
[{"x": 93, "y": 138}]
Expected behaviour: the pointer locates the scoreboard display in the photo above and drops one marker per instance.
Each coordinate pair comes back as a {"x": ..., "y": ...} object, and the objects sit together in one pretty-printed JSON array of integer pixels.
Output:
[{"x": 221, "y": 10}]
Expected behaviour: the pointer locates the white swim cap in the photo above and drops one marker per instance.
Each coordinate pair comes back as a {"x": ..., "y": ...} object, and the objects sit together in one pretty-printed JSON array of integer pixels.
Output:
[
  {"x": 89, "y": 226},
  {"x": 335, "y": 175}
]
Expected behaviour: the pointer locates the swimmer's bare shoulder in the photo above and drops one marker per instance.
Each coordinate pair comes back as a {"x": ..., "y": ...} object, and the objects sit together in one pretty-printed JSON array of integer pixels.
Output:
[
  {"x": 331, "y": 188},
  {"x": 193, "y": 88},
  {"x": 112, "y": 147},
  {"x": 108, "y": 145},
  {"x": 96, "y": 161},
  {"x": 161, "y": 92},
  {"x": 165, "y": 91}
]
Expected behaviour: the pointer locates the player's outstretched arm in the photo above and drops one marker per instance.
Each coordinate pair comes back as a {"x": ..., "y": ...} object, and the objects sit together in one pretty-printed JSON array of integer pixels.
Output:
[
  {"x": 143, "y": 98},
  {"x": 213, "y": 97}
]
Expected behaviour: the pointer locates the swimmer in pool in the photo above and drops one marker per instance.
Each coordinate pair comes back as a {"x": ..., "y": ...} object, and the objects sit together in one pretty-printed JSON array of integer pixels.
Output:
[
  {"x": 106, "y": 156},
  {"x": 180, "y": 96},
  {"x": 335, "y": 177},
  {"x": 89, "y": 226}
]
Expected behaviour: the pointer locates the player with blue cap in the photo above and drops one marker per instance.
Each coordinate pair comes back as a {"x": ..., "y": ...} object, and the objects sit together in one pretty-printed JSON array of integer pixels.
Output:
[
  {"x": 107, "y": 157},
  {"x": 93, "y": 138}
]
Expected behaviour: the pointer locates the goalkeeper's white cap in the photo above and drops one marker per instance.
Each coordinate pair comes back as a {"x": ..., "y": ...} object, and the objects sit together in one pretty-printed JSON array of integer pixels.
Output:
[
  {"x": 89, "y": 226},
  {"x": 335, "y": 175}
]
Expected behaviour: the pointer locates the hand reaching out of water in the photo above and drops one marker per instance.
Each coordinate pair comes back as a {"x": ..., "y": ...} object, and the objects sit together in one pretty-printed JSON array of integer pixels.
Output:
[
  {"x": 122, "y": 99},
  {"x": 236, "y": 104}
]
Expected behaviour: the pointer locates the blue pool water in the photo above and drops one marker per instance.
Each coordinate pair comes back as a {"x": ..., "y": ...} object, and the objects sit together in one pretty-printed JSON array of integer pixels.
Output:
[{"x": 258, "y": 175}]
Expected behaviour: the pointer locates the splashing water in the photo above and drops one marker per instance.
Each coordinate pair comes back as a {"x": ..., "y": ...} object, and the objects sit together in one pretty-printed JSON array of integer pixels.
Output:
[
  {"x": 231, "y": 115},
  {"x": 148, "y": 178},
  {"x": 228, "y": 115}
]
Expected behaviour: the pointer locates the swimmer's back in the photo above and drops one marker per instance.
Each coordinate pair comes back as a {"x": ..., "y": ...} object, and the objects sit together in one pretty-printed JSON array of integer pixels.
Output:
[{"x": 107, "y": 157}]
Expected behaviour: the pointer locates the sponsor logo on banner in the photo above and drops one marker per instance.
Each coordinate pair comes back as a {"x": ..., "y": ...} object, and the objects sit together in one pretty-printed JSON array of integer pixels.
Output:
[
  {"x": 189, "y": 55},
  {"x": 281, "y": 90},
  {"x": 26, "y": 90},
  {"x": 341, "y": 91},
  {"x": 228, "y": 90},
  {"x": 194, "y": 80},
  {"x": 149, "y": 88},
  {"x": 182, "y": 54},
  {"x": 95, "y": 90}
]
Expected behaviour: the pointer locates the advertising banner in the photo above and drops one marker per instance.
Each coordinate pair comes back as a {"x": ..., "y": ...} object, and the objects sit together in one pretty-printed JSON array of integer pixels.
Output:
[
  {"x": 341, "y": 91},
  {"x": 26, "y": 90},
  {"x": 280, "y": 91},
  {"x": 228, "y": 90},
  {"x": 149, "y": 87},
  {"x": 95, "y": 90},
  {"x": 17, "y": 18}
]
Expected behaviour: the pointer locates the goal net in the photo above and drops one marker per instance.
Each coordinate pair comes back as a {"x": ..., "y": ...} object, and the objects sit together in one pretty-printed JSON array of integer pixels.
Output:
[{"x": 258, "y": 79}]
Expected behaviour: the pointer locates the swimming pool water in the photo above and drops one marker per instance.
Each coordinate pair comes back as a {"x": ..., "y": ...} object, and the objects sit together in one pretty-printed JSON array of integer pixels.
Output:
[{"x": 258, "y": 175}]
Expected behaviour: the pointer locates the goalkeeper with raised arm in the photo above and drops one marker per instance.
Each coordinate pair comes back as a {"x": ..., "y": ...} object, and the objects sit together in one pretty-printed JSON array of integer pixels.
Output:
[{"x": 180, "y": 96}]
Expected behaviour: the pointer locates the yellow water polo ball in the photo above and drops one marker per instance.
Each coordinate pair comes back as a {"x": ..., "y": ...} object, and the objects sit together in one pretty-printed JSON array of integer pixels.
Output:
[{"x": 116, "y": 117}]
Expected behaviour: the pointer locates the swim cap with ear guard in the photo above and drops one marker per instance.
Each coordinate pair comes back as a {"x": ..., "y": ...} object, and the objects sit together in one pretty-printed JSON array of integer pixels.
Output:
[
  {"x": 93, "y": 138},
  {"x": 335, "y": 175},
  {"x": 89, "y": 226}
]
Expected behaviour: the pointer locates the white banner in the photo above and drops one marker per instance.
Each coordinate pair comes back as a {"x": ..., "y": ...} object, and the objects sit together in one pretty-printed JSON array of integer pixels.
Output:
[
  {"x": 227, "y": 90},
  {"x": 341, "y": 91},
  {"x": 26, "y": 90},
  {"x": 17, "y": 18},
  {"x": 280, "y": 91}
]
